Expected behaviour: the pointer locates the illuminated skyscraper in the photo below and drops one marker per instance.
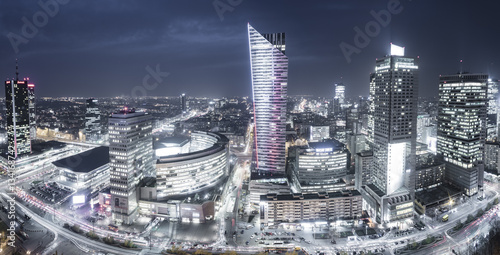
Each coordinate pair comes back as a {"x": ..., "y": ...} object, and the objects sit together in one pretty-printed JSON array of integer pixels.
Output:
[
  {"x": 183, "y": 102},
  {"x": 492, "y": 125},
  {"x": 32, "y": 112},
  {"x": 340, "y": 92},
  {"x": 462, "y": 111},
  {"x": 130, "y": 160},
  {"x": 395, "y": 90},
  {"x": 17, "y": 103},
  {"x": 269, "y": 67},
  {"x": 92, "y": 121}
]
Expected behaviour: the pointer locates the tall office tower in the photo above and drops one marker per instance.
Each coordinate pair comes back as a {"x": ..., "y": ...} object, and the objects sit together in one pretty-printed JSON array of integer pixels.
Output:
[
  {"x": 390, "y": 195},
  {"x": 32, "y": 112},
  {"x": 92, "y": 121},
  {"x": 269, "y": 67},
  {"x": 371, "y": 110},
  {"x": 130, "y": 159},
  {"x": 183, "y": 102},
  {"x": 18, "y": 116},
  {"x": 462, "y": 111},
  {"x": 340, "y": 92},
  {"x": 492, "y": 122}
]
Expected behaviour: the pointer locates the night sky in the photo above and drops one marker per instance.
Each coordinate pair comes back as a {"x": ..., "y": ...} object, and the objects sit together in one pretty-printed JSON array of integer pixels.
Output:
[{"x": 103, "y": 48}]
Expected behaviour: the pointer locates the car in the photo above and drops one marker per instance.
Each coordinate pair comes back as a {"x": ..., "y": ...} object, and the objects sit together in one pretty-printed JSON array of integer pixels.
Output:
[
  {"x": 333, "y": 241},
  {"x": 252, "y": 236},
  {"x": 247, "y": 242}
]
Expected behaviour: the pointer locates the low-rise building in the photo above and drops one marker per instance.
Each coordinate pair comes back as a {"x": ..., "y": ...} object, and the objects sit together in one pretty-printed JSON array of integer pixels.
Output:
[
  {"x": 299, "y": 207},
  {"x": 89, "y": 169}
]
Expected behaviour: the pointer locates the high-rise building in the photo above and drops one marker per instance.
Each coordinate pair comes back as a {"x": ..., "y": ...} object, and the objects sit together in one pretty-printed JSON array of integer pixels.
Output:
[
  {"x": 17, "y": 102},
  {"x": 92, "y": 121},
  {"x": 462, "y": 111},
  {"x": 371, "y": 110},
  {"x": 492, "y": 124},
  {"x": 269, "y": 68},
  {"x": 32, "y": 112},
  {"x": 340, "y": 92},
  {"x": 183, "y": 102},
  {"x": 130, "y": 160},
  {"x": 395, "y": 89}
]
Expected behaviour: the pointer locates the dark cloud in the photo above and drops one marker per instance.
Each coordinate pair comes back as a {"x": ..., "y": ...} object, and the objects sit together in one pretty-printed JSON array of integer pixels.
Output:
[{"x": 102, "y": 48}]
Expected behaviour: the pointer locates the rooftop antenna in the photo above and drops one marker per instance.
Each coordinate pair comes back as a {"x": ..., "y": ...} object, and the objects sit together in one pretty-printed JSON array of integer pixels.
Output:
[{"x": 17, "y": 71}]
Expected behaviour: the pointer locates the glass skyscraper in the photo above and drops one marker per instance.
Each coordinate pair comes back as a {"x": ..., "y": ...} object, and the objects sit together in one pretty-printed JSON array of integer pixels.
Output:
[
  {"x": 17, "y": 103},
  {"x": 32, "y": 112},
  {"x": 462, "y": 112},
  {"x": 394, "y": 88},
  {"x": 92, "y": 121},
  {"x": 269, "y": 67}
]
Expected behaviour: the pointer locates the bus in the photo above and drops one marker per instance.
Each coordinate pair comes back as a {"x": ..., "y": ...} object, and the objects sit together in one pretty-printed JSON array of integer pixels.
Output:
[
  {"x": 445, "y": 218},
  {"x": 113, "y": 227}
]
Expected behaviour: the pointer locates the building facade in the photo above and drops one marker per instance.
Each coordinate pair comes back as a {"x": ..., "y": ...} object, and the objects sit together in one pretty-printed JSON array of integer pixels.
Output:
[
  {"x": 492, "y": 125},
  {"x": 206, "y": 164},
  {"x": 462, "y": 111},
  {"x": 321, "y": 167},
  {"x": 363, "y": 161},
  {"x": 269, "y": 68},
  {"x": 298, "y": 207},
  {"x": 92, "y": 121},
  {"x": 32, "y": 110},
  {"x": 130, "y": 159},
  {"x": 395, "y": 93},
  {"x": 17, "y": 104}
]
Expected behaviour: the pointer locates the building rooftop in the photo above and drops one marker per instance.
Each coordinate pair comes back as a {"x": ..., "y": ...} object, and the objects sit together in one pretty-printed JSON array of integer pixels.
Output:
[
  {"x": 307, "y": 196},
  {"x": 86, "y": 161}
]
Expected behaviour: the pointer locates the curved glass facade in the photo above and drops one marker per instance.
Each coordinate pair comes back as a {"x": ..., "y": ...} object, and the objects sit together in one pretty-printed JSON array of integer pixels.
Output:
[{"x": 184, "y": 174}]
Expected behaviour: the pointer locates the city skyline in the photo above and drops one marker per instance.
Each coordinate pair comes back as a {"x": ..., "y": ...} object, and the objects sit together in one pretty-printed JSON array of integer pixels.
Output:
[
  {"x": 367, "y": 127},
  {"x": 212, "y": 48}
]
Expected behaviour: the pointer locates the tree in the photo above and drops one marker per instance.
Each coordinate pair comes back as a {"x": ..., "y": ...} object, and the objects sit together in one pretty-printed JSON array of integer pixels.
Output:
[
  {"x": 459, "y": 224},
  {"x": 480, "y": 213},
  {"x": 470, "y": 218},
  {"x": 495, "y": 202},
  {"x": 202, "y": 252},
  {"x": 488, "y": 207}
]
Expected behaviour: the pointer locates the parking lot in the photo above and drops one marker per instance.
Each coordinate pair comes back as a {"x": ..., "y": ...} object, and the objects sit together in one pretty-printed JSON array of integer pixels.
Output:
[{"x": 50, "y": 192}]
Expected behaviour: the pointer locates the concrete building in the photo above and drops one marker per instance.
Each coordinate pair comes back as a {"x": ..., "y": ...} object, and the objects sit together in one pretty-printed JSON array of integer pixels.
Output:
[
  {"x": 320, "y": 167},
  {"x": 298, "y": 207},
  {"x": 319, "y": 133},
  {"x": 131, "y": 159},
  {"x": 462, "y": 111},
  {"x": 204, "y": 164},
  {"x": 88, "y": 170},
  {"x": 492, "y": 157},
  {"x": 395, "y": 91},
  {"x": 363, "y": 161}
]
